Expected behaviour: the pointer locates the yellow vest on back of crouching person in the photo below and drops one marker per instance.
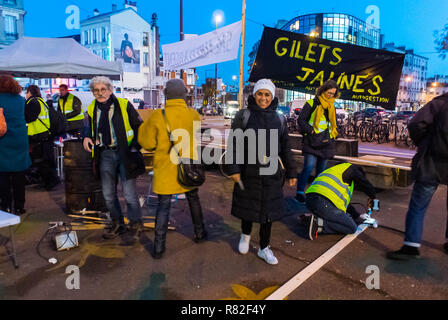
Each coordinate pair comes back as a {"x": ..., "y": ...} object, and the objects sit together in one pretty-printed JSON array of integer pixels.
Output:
[{"x": 330, "y": 184}]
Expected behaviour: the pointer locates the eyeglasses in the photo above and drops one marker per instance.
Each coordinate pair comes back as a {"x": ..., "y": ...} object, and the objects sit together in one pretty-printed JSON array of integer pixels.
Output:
[
  {"x": 330, "y": 93},
  {"x": 102, "y": 90}
]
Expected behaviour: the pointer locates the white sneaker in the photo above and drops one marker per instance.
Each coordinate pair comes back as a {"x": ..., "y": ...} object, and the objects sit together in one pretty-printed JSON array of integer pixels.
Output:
[
  {"x": 243, "y": 246},
  {"x": 267, "y": 255}
]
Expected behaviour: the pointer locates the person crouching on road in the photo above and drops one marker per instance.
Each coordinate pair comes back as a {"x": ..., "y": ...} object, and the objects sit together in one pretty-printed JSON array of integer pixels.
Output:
[
  {"x": 328, "y": 198},
  {"x": 261, "y": 200},
  {"x": 317, "y": 123},
  {"x": 112, "y": 136},
  {"x": 37, "y": 116},
  {"x": 154, "y": 136}
]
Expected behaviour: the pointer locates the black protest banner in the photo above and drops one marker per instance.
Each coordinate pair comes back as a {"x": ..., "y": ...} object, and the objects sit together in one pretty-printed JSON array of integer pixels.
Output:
[{"x": 298, "y": 62}]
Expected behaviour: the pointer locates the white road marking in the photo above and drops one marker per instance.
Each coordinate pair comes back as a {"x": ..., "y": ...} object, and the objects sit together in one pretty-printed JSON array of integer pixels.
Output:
[{"x": 306, "y": 273}]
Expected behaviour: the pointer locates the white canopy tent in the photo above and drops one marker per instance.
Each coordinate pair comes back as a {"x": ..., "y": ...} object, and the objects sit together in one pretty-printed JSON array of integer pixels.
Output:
[{"x": 55, "y": 58}]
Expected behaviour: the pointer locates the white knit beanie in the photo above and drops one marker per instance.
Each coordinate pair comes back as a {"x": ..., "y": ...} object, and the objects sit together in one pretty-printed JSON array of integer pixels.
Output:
[{"x": 265, "y": 84}]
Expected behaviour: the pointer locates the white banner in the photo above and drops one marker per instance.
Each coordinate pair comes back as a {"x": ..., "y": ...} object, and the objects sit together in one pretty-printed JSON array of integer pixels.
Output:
[{"x": 213, "y": 47}]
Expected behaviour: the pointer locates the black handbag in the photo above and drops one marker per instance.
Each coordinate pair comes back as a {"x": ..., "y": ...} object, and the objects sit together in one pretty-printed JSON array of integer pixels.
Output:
[
  {"x": 319, "y": 140},
  {"x": 189, "y": 174}
]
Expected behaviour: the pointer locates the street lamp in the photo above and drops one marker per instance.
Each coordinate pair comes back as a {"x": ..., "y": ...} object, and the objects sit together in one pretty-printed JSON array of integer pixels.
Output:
[{"x": 218, "y": 17}]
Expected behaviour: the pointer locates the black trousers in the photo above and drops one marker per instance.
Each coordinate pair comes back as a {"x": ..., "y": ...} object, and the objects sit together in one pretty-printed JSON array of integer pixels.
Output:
[
  {"x": 42, "y": 156},
  {"x": 196, "y": 211},
  {"x": 12, "y": 187},
  {"x": 265, "y": 231}
]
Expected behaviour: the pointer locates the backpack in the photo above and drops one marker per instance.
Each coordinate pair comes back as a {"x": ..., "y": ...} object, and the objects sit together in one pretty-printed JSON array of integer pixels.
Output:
[
  {"x": 58, "y": 123},
  {"x": 245, "y": 119}
]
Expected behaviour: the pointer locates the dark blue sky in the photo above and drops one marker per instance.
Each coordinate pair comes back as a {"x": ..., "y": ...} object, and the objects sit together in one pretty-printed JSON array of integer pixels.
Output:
[{"x": 405, "y": 22}]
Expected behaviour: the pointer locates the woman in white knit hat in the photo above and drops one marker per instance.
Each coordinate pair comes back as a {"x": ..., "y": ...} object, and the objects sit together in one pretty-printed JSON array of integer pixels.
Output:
[{"x": 260, "y": 197}]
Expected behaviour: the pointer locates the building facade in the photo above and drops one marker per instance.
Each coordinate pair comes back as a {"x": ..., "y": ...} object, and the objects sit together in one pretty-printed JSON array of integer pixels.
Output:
[
  {"x": 12, "y": 15},
  {"x": 339, "y": 27},
  {"x": 412, "y": 90},
  {"x": 436, "y": 86},
  {"x": 123, "y": 35}
]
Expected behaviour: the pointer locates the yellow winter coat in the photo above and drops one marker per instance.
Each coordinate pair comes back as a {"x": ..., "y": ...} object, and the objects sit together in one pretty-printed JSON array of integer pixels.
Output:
[{"x": 153, "y": 136}]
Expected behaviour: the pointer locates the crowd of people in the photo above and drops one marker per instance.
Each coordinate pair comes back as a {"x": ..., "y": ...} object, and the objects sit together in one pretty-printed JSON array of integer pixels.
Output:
[{"x": 115, "y": 135}]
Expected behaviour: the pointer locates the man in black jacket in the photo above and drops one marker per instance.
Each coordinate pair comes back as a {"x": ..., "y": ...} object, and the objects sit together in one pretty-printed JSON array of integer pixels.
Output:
[
  {"x": 429, "y": 132},
  {"x": 115, "y": 124}
]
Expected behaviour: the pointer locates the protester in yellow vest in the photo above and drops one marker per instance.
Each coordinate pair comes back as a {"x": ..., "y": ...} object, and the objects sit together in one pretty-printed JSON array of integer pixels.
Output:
[
  {"x": 317, "y": 123},
  {"x": 71, "y": 108},
  {"x": 37, "y": 117},
  {"x": 113, "y": 130},
  {"x": 328, "y": 198}
]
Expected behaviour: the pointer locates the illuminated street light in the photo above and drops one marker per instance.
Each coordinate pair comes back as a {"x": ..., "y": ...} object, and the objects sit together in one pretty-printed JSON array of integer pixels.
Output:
[
  {"x": 434, "y": 84},
  {"x": 313, "y": 34},
  {"x": 408, "y": 79},
  {"x": 218, "y": 17},
  {"x": 234, "y": 77}
]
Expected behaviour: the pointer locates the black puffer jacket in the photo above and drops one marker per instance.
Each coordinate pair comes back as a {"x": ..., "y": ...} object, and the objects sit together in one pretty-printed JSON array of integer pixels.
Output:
[
  {"x": 262, "y": 199},
  {"x": 307, "y": 130},
  {"x": 429, "y": 131}
]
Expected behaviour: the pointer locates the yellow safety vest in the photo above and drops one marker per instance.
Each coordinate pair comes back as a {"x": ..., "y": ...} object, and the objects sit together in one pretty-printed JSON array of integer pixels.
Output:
[
  {"x": 37, "y": 126},
  {"x": 330, "y": 184},
  {"x": 323, "y": 123},
  {"x": 123, "y": 106},
  {"x": 69, "y": 108}
]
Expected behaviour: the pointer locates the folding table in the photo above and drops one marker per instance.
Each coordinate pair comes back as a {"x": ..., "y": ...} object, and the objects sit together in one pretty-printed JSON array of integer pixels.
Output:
[{"x": 9, "y": 220}]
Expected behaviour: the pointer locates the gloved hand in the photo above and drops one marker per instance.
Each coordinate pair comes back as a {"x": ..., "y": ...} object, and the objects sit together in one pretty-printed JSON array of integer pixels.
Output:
[{"x": 370, "y": 203}]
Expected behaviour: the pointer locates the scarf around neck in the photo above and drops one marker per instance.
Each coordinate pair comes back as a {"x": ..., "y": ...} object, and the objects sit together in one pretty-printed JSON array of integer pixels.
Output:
[{"x": 326, "y": 104}]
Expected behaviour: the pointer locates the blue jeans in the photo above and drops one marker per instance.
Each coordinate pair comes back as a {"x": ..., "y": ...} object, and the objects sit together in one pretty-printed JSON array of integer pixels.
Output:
[
  {"x": 162, "y": 218},
  {"x": 112, "y": 168},
  {"x": 420, "y": 199},
  {"x": 335, "y": 220},
  {"x": 310, "y": 162}
]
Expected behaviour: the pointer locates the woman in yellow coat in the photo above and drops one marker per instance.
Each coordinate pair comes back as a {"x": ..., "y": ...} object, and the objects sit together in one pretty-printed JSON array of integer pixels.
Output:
[{"x": 153, "y": 136}]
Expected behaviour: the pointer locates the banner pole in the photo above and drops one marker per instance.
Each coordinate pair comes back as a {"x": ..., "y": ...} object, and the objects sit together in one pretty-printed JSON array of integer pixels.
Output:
[{"x": 243, "y": 34}]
